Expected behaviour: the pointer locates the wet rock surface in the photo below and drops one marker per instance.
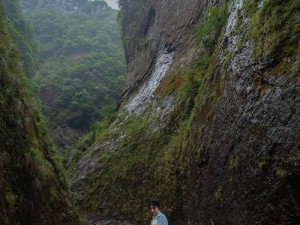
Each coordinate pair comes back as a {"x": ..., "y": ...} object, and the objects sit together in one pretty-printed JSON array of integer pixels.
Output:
[
  {"x": 244, "y": 158},
  {"x": 139, "y": 103},
  {"x": 249, "y": 170},
  {"x": 170, "y": 24}
]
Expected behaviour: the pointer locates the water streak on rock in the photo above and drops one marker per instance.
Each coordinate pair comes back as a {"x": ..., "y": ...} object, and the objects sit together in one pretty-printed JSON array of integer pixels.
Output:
[
  {"x": 140, "y": 102},
  {"x": 233, "y": 17}
]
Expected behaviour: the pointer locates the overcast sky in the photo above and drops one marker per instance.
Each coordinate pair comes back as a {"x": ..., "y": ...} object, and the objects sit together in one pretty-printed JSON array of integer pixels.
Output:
[{"x": 112, "y": 3}]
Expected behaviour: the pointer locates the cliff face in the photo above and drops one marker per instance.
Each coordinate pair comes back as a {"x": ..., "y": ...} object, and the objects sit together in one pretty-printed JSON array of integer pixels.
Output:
[
  {"x": 33, "y": 189},
  {"x": 150, "y": 27},
  {"x": 210, "y": 120},
  {"x": 248, "y": 169}
]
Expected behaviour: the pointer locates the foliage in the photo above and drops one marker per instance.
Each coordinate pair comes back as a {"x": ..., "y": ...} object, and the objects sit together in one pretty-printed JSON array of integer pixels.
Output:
[
  {"x": 281, "y": 172},
  {"x": 274, "y": 27},
  {"x": 98, "y": 132},
  {"x": 188, "y": 82},
  {"x": 210, "y": 29},
  {"x": 218, "y": 194},
  {"x": 25, "y": 178},
  {"x": 207, "y": 34},
  {"x": 10, "y": 198},
  {"x": 145, "y": 163},
  {"x": 82, "y": 61},
  {"x": 23, "y": 33},
  {"x": 234, "y": 161}
]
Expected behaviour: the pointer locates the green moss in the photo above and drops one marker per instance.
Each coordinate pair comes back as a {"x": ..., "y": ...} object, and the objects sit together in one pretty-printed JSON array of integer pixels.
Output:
[
  {"x": 210, "y": 29},
  {"x": 31, "y": 167},
  {"x": 45, "y": 170},
  {"x": 281, "y": 172},
  {"x": 261, "y": 164},
  {"x": 239, "y": 21},
  {"x": 234, "y": 161},
  {"x": 10, "y": 199},
  {"x": 225, "y": 64},
  {"x": 127, "y": 40},
  {"x": 274, "y": 27},
  {"x": 145, "y": 165},
  {"x": 251, "y": 7},
  {"x": 144, "y": 42},
  {"x": 208, "y": 36},
  {"x": 219, "y": 195},
  {"x": 240, "y": 44},
  {"x": 172, "y": 84}
]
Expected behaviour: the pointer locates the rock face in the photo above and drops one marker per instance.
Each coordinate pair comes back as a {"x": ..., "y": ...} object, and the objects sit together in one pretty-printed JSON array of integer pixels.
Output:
[
  {"x": 248, "y": 172},
  {"x": 33, "y": 189},
  {"x": 227, "y": 149},
  {"x": 150, "y": 27}
]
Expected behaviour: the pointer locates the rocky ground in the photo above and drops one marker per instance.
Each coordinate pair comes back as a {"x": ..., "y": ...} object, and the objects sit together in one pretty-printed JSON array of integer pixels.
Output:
[{"x": 97, "y": 218}]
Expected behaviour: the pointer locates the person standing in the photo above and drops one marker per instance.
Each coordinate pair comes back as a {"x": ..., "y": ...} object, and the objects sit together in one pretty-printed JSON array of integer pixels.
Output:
[{"x": 158, "y": 218}]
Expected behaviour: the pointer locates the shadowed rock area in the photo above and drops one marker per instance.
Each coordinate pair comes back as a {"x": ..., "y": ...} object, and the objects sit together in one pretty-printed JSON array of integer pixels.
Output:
[
  {"x": 95, "y": 218},
  {"x": 33, "y": 189}
]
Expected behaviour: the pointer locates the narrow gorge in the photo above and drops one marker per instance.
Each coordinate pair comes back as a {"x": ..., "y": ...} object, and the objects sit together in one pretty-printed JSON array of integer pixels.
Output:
[{"x": 208, "y": 122}]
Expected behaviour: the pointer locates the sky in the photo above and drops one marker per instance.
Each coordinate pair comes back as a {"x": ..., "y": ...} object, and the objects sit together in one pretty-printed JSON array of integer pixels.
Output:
[{"x": 112, "y": 3}]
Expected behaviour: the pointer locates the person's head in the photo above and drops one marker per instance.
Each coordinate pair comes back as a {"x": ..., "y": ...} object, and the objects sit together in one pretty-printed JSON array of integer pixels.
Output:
[{"x": 154, "y": 206}]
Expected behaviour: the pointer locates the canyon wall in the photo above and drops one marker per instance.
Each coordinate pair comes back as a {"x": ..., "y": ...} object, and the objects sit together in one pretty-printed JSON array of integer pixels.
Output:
[
  {"x": 33, "y": 187},
  {"x": 209, "y": 122}
]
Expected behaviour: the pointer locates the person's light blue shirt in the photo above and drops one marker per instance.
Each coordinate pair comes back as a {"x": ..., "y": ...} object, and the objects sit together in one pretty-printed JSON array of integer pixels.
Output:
[{"x": 161, "y": 219}]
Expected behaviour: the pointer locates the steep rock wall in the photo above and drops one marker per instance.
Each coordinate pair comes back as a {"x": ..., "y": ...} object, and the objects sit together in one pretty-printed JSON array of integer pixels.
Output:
[
  {"x": 152, "y": 26},
  {"x": 33, "y": 188},
  {"x": 217, "y": 140},
  {"x": 247, "y": 171}
]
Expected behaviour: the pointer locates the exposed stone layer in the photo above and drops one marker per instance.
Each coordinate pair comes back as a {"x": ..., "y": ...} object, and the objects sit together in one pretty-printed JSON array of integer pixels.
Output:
[
  {"x": 151, "y": 26},
  {"x": 241, "y": 140}
]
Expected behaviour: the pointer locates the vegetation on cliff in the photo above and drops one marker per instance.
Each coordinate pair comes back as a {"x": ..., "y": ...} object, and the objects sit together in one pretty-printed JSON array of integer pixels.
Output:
[
  {"x": 132, "y": 159},
  {"x": 143, "y": 164},
  {"x": 32, "y": 184}
]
